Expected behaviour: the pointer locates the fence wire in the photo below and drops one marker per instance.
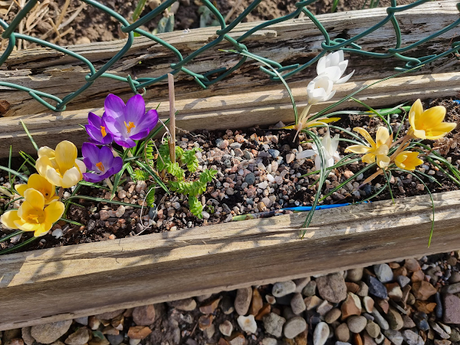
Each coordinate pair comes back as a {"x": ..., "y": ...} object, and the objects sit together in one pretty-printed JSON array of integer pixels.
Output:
[{"x": 205, "y": 79}]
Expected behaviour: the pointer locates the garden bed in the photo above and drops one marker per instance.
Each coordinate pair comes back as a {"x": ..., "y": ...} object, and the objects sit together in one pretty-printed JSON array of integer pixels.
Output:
[{"x": 97, "y": 277}]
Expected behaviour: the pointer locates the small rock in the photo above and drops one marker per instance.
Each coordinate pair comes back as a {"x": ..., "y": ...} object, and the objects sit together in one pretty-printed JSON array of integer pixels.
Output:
[
  {"x": 80, "y": 337},
  {"x": 321, "y": 333},
  {"x": 380, "y": 320},
  {"x": 395, "y": 336},
  {"x": 247, "y": 323},
  {"x": 144, "y": 316},
  {"x": 269, "y": 341},
  {"x": 452, "y": 288},
  {"x": 301, "y": 283},
  {"x": 376, "y": 288},
  {"x": 312, "y": 302},
  {"x": 356, "y": 324},
  {"x": 187, "y": 304},
  {"x": 352, "y": 287},
  {"x": 283, "y": 288},
  {"x": 273, "y": 324},
  {"x": 26, "y": 336},
  {"x": 257, "y": 302},
  {"x": 210, "y": 307},
  {"x": 395, "y": 319},
  {"x": 455, "y": 335},
  {"x": 442, "y": 333},
  {"x": 82, "y": 320},
  {"x": 226, "y": 328},
  {"x": 424, "y": 306},
  {"x": 417, "y": 276},
  {"x": 412, "y": 265},
  {"x": 250, "y": 179},
  {"x": 226, "y": 305},
  {"x": 297, "y": 304},
  {"x": 383, "y": 273},
  {"x": 205, "y": 321},
  {"x": 408, "y": 322},
  {"x": 421, "y": 321},
  {"x": 373, "y": 329},
  {"x": 442, "y": 342},
  {"x": 363, "y": 289},
  {"x": 50, "y": 332},
  {"x": 264, "y": 311},
  {"x": 368, "y": 304},
  {"x": 294, "y": 327},
  {"x": 355, "y": 274},
  {"x": 342, "y": 333},
  {"x": 368, "y": 340},
  {"x": 394, "y": 291},
  {"x": 139, "y": 332},
  {"x": 333, "y": 315},
  {"x": 324, "y": 308},
  {"x": 412, "y": 338},
  {"x": 351, "y": 306},
  {"x": 332, "y": 287},
  {"x": 243, "y": 300},
  {"x": 309, "y": 289},
  {"x": 237, "y": 339},
  {"x": 402, "y": 280},
  {"x": 423, "y": 290}
]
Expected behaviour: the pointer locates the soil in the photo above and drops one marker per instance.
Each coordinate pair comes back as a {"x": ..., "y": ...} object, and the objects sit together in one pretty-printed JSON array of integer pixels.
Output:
[{"x": 93, "y": 25}]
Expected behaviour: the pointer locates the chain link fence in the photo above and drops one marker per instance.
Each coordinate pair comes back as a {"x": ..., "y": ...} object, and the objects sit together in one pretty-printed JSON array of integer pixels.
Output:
[{"x": 222, "y": 34}]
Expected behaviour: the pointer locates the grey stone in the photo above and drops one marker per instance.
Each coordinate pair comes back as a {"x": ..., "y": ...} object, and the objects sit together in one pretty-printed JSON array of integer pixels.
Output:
[
  {"x": 379, "y": 319},
  {"x": 395, "y": 336},
  {"x": 383, "y": 273},
  {"x": 26, "y": 336},
  {"x": 115, "y": 339},
  {"x": 301, "y": 283},
  {"x": 438, "y": 329},
  {"x": 363, "y": 289},
  {"x": 373, "y": 329},
  {"x": 50, "y": 332},
  {"x": 356, "y": 324},
  {"x": 145, "y": 315},
  {"x": 324, "y": 308},
  {"x": 452, "y": 288},
  {"x": 395, "y": 319},
  {"x": 451, "y": 309},
  {"x": 294, "y": 327},
  {"x": 187, "y": 304},
  {"x": 297, "y": 304},
  {"x": 283, "y": 288},
  {"x": 412, "y": 338},
  {"x": 455, "y": 335},
  {"x": 376, "y": 288},
  {"x": 321, "y": 333},
  {"x": 332, "y": 287},
  {"x": 273, "y": 324},
  {"x": 243, "y": 300},
  {"x": 82, "y": 320},
  {"x": 402, "y": 280},
  {"x": 309, "y": 289}
]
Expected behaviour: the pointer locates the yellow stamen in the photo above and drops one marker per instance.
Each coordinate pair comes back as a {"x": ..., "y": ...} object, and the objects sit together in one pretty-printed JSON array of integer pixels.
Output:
[
  {"x": 103, "y": 131},
  {"x": 130, "y": 126},
  {"x": 100, "y": 166}
]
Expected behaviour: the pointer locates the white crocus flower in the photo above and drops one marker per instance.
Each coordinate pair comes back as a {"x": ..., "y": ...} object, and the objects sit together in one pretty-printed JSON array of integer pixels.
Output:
[
  {"x": 333, "y": 65},
  {"x": 320, "y": 90},
  {"x": 329, "y": 151}
]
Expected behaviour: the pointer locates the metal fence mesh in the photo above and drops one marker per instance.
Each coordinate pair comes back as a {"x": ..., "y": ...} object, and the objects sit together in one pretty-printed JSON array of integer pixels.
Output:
[{"x": 222, "y": 34}]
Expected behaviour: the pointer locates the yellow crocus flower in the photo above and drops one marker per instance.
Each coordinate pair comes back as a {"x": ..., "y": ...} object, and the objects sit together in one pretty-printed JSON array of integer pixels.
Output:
[
  {"x": 428, "y": 124},
  {"x": 41, "y": 184},
  {"x": 408, "y": 160},
  {"x": 378, "y": 149},
  {"x": 61, "y": 166},
  {"x": 32, "y": 215}
]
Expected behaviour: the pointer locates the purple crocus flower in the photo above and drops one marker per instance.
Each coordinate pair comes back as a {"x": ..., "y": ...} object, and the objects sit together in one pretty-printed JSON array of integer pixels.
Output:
[
  {"x": 97, "y": 130},
  {"x": 101, "y": 161},
  {"x": 128, "y": 122}
]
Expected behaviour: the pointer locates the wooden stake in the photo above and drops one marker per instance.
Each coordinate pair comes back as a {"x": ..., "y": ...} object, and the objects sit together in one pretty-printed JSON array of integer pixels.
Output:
[{"x": 172, "y": 119}]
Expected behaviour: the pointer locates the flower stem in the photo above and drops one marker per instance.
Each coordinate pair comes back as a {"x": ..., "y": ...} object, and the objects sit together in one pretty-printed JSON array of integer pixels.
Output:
[{"x": 109, "y": 183}]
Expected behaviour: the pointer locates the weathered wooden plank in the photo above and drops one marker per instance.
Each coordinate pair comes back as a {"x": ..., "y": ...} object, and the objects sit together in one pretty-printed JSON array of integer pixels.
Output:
[
  {"x": 236, "y": 110},
  {"x": 294, "y": 41},
  {"x": 63, "y": 283}
]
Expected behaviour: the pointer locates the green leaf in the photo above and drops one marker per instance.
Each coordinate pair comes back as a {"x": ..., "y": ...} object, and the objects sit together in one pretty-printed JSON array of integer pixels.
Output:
[{"x": 195, "y": 207}]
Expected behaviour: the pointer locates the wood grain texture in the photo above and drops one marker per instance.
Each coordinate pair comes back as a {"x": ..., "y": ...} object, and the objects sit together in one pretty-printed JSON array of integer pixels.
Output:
[
  {"x": 63, "y": 283},
  {"x": 236, "y": 110},
  {"x": 291, "y": 42}
]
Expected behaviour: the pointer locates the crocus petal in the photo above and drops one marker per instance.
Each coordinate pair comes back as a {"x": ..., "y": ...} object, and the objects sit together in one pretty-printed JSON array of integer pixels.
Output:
[
  {"x": 382, "y": 136},
  {"x": 42, "y": 164},
  {"x": 24, "y": 226},
  {"x": 26, "y": 209},
  {"x": 366, "y": 135},
  {"x": 35, "y": 198},
  {"x": 369, "y": 158},
  {"x": 114, "y": 106},
  {"x": 21, "y": 188},
  {"x": 9, "y": 218},
  {"x": 440, "y": 130},
  {"x": 383, "y": 161},
  {"x": 80, "y": 166},
  {"x": 42, "y": 229},
  {"x": 135, "y": 109},
  {"x": 66, "y": 153},
  {"x": 89, "y": 151},
  {"x": 140, "y": 135},
  {"x": 408, "y": 160},
  {"x": 414, "y": 113},
  {"x": 45, "y": 151},
  {"x": 54, "y": 211},
  {"x": 306, "y": 154},
  {"x": 53, "y": 177},
  {"x": 360, "y": 149},
  {"x": 71, "y": 177},
  {"x": 94, "y": 120},
  {"x": 431, "y": 117},
  {"x": 125, "y": 142},
  {"x": 345, "y": 79}
]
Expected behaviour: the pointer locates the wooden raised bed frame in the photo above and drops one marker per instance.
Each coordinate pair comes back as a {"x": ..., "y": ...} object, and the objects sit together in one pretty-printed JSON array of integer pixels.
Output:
[{"x": 63, "y": 283}]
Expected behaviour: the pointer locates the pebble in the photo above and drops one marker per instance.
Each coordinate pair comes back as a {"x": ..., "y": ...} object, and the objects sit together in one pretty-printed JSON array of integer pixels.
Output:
[
  {"x": 451, "y": 309},
  {"x": 187, "y": 304},
  {"x": 383, "y": 273},
  {"x": 373, "y": 329},
  {"x": 333, "y": 315},
  {"x": 412, "y": 265},
  {"x": 376, "y": 288},
  {"x": 324, "y": 308},
  {"x": 50, "y": 332},
  {"x": 379, "y": 319},
  {"x": 395, "y": 319},
  {"x": 297, "y": 304},
  {"x": 80, "y": 337},
  {"x": 226, "y": 328},
  {"x": 321, "y": 333},
  {"x": 294, "y": 326},
  {"x": 402, "y": 280},
  {"x": 368, "y": 304},
  {"x": 247, "y": 323},
  {"x": 257, "y": 302},
  {"x": 423, "y": 290},
  {"x": 351, "y": 306},
  {"x": 342, "y": 333},
  {"x": 283, "y": 288},
  {"x": 356, "y": 324},
  {"x": 145, "y": 315},
  {"x": 412, "y": 338},
  {"x": 269, "y": 341},
  {"x": 395, "y": 337},
  {"x": 309, "y": 289},
  {"x": 139, "y": 332},
  {"x": 332, "y": 287},
  {"x": 273, "y": 324},
  {"x": 250, "y": 179},
  {"x": 243, "y": 300},
  {"x": 301, "y": 283}
]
